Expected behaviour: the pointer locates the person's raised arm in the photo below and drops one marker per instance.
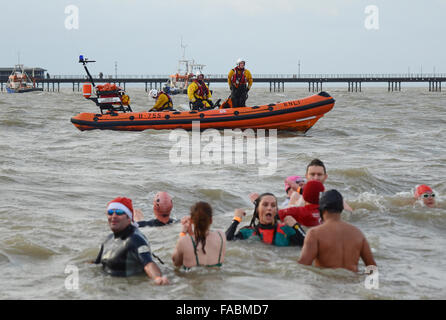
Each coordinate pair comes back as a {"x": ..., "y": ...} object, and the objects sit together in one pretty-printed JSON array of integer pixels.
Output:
[
  {"x": 230, "y": 233},
  {"x": 138, "y": 215},
  {"x": 295, "y": 199},
  {"x": 309, "y": 250}
]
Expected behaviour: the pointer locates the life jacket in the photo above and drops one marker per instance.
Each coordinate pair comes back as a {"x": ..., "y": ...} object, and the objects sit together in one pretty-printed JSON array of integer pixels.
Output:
[
  {"x": 268, "y": 235},
  {"x": 238, "y": 77},
  {"x": 168, "y": 103},
  {"x": 202, "y": 90},
  {"x": 125, "y": 99}
]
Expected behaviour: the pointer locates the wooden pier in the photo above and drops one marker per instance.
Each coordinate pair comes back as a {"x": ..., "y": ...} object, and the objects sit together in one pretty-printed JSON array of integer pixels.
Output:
[{"x": 277, "y": 82}]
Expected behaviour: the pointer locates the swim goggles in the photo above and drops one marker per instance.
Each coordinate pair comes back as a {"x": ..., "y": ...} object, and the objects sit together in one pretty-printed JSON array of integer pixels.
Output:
[
  {"x": 119, "y": 212},
  {"x": 427, "y": 195}
]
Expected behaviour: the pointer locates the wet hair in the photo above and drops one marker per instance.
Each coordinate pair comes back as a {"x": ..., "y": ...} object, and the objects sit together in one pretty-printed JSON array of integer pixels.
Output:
[
  {"x": 331, "y": 201},
  {"x": 201, "y": 216},
  {"x": 257, "y": 201},
  {"x": 318, "y": 163}
]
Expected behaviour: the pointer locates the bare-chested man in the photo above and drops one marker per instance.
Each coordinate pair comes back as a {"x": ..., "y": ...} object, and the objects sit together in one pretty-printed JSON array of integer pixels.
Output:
[{"x": 335, "y": 243}]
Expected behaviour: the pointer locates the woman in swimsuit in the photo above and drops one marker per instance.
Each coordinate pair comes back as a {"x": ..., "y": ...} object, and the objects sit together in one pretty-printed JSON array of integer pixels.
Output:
[{"x": 197, "y": 245}]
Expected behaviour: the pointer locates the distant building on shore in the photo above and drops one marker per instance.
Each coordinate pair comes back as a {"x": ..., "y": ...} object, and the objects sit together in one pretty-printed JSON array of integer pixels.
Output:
[{"x": 39, "y": 73}]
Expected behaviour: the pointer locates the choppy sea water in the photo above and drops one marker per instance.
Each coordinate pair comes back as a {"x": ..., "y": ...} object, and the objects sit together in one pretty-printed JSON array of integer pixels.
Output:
[{"x": 55, "y": 182}]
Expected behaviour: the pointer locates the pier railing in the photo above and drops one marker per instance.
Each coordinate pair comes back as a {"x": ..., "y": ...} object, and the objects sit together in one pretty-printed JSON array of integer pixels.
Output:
[
  {"x": 315, "y": 81},
  {"x": 357, "y": 76}
]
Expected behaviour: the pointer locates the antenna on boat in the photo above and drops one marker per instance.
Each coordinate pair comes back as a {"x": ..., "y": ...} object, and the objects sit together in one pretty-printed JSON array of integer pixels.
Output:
[
  {"x": 84, "y": 61},
  {"x": 183, "y": 47}
]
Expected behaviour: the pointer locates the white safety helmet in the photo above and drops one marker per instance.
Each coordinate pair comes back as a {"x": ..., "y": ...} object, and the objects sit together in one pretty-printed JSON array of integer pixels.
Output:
[
  {"x": 153, "y": 93},
  {"x": 239, "y": 60}
]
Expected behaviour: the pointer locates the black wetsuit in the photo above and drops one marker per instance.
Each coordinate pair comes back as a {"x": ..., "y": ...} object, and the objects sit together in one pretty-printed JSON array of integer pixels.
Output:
[
  {"x": 154, "y": 223},
  {"x": 239, "y": 96},
  {"x": 278, "y": 234},
  {"x": 125, "y": 253}
]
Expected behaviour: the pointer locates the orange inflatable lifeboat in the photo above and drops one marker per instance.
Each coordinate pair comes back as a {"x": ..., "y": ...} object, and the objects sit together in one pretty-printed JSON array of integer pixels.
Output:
[{"x": 296, "y": 115}]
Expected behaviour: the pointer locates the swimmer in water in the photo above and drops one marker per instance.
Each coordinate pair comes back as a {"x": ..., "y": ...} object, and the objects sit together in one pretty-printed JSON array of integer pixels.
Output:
[
  {"x": 426, "y": 194},
  {"x": 289, "y": 191},
  {"x": 307, "y": 215},
  {"x": 335, "y": 243},
  {"x": 126, "y": 251},
  {"x": 197, "y": 245},
  {"x": 315, "y": 171},
  {"x": 162, "y": 208},
  {"x": 265, "y": 225}
]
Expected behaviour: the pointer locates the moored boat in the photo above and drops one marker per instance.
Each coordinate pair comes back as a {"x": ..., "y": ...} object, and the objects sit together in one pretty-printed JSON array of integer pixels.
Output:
[{"x": 19, "y": 81}]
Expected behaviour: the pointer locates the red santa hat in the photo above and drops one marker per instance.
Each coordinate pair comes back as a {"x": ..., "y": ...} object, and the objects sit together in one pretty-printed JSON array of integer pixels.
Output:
[
  {"x": 123, "y": 204},
  {"x": 312, "y": 189}
]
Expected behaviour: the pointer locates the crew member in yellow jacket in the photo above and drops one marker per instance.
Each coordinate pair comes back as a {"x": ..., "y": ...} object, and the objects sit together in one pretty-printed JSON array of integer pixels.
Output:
[
  {"x": 199, "y": 93},
  {"x": 240, "y": 81},
  {"x": 163, "y": 100}
]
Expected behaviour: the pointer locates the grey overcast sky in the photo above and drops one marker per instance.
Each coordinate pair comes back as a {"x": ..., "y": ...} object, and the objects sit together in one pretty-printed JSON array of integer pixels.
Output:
[{"x": 143, "y": 36}]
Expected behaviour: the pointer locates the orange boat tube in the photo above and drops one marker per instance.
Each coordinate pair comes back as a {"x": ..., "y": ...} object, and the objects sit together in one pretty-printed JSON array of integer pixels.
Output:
[{"x": 295, "y": 115}]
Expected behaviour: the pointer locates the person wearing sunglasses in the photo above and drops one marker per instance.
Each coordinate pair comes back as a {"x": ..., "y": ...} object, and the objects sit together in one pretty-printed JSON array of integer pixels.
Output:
[
  {"x": 426, "y": 195},
  {"x": 126, "y": 251},
  {"x": 162, "y": 207},
  {"x": 300, "y": 182}
]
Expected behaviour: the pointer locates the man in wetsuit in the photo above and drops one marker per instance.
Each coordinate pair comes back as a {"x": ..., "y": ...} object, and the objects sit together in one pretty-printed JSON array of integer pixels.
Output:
[
  {"x": 162, "y": 207},
  {"x": 335, "y": 243},
  {"x": 126, "y": 251}
]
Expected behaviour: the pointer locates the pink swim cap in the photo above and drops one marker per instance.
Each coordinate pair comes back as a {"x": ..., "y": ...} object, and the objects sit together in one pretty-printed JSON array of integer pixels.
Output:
[
  {"x": 292, "y": 178},
  {"x": 421, "y": 189},
  {"x": 162, "y": 203}
]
